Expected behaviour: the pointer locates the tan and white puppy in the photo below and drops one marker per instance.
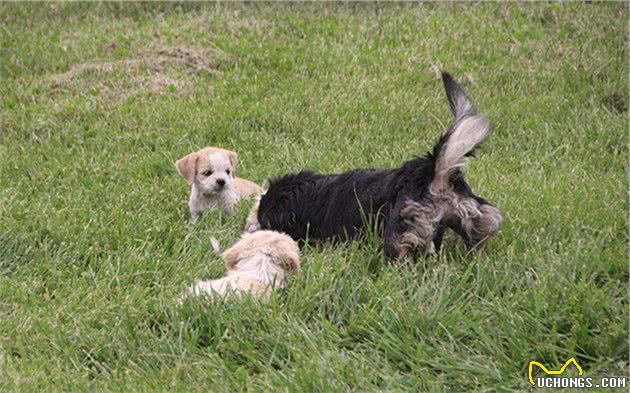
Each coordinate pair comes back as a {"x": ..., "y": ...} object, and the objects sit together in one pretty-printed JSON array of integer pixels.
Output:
[
  {"x": 210, "y": 173},
  {"x": 256, "y": 264}
]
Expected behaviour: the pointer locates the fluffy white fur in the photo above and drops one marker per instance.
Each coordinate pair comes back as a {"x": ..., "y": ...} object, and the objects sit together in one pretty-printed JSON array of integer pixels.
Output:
[
  {"x": 256, "y": 264},
  {"x": 211, "y": 174}
]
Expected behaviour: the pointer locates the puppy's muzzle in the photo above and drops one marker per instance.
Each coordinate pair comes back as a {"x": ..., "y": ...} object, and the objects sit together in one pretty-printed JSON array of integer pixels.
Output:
[{"x": 220, "y": 183}]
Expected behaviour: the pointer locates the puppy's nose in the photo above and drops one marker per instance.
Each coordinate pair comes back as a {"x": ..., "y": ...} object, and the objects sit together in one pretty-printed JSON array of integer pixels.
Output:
[{"x": 220, "y": 182}]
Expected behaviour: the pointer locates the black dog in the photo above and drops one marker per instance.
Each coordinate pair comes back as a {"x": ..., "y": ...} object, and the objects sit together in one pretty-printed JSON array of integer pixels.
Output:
[{"x": 414, "y": 203}]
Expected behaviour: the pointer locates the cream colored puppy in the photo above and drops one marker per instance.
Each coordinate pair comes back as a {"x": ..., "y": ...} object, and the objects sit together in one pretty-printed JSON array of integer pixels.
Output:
[
  {"x": 256, "y": 264},
  {"x": 210, "y": 173}
]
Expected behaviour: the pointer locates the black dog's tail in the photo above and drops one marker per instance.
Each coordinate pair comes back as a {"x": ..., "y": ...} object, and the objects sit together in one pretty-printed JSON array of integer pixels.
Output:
[{"x": 468, "y": 132}]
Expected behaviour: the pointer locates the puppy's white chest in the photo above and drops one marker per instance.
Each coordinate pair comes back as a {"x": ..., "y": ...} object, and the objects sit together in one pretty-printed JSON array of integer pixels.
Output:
[{"x": 199, "y": 201}]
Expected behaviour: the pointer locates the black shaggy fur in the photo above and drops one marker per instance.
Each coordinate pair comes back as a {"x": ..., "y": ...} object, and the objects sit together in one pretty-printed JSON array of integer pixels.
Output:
[{"x": 408, "y": 202}]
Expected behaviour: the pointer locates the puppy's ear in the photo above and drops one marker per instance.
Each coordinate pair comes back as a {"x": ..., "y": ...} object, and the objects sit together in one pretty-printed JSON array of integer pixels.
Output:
[
  {"x": 187, "y": 167},
  {"x": 233, "y": 161},
  {"x": 291, "y": 262},
  {"x": 231, "y": 258}
]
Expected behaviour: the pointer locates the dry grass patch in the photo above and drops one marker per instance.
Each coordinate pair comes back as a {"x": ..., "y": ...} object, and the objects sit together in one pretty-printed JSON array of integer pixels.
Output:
[{"x": 159, "y": 71}]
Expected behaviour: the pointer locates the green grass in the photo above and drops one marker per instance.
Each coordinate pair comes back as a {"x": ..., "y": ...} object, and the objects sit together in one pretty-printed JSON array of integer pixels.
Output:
[{"x": 96, "y": 104}]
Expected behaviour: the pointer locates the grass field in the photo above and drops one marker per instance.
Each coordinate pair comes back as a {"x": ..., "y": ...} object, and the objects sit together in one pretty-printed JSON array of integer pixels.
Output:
[{"x": 97, "y": 101}]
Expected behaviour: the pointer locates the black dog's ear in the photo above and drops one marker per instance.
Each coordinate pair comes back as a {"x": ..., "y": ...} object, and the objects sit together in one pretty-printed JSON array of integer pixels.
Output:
[{"x": 461, "y": 106}]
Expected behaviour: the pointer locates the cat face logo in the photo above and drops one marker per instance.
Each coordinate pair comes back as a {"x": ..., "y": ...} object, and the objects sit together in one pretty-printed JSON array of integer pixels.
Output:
[{"x": 553, "y": 372}]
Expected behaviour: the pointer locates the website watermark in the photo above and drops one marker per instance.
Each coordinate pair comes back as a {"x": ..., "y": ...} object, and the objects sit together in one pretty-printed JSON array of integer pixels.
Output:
[{"x": 559, "y": 378}]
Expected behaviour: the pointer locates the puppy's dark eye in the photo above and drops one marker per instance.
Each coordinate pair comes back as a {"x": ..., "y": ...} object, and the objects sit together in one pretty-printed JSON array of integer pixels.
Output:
[
  {"x": 207, "y": 173},
  {"x": 228, "y": 171}
]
